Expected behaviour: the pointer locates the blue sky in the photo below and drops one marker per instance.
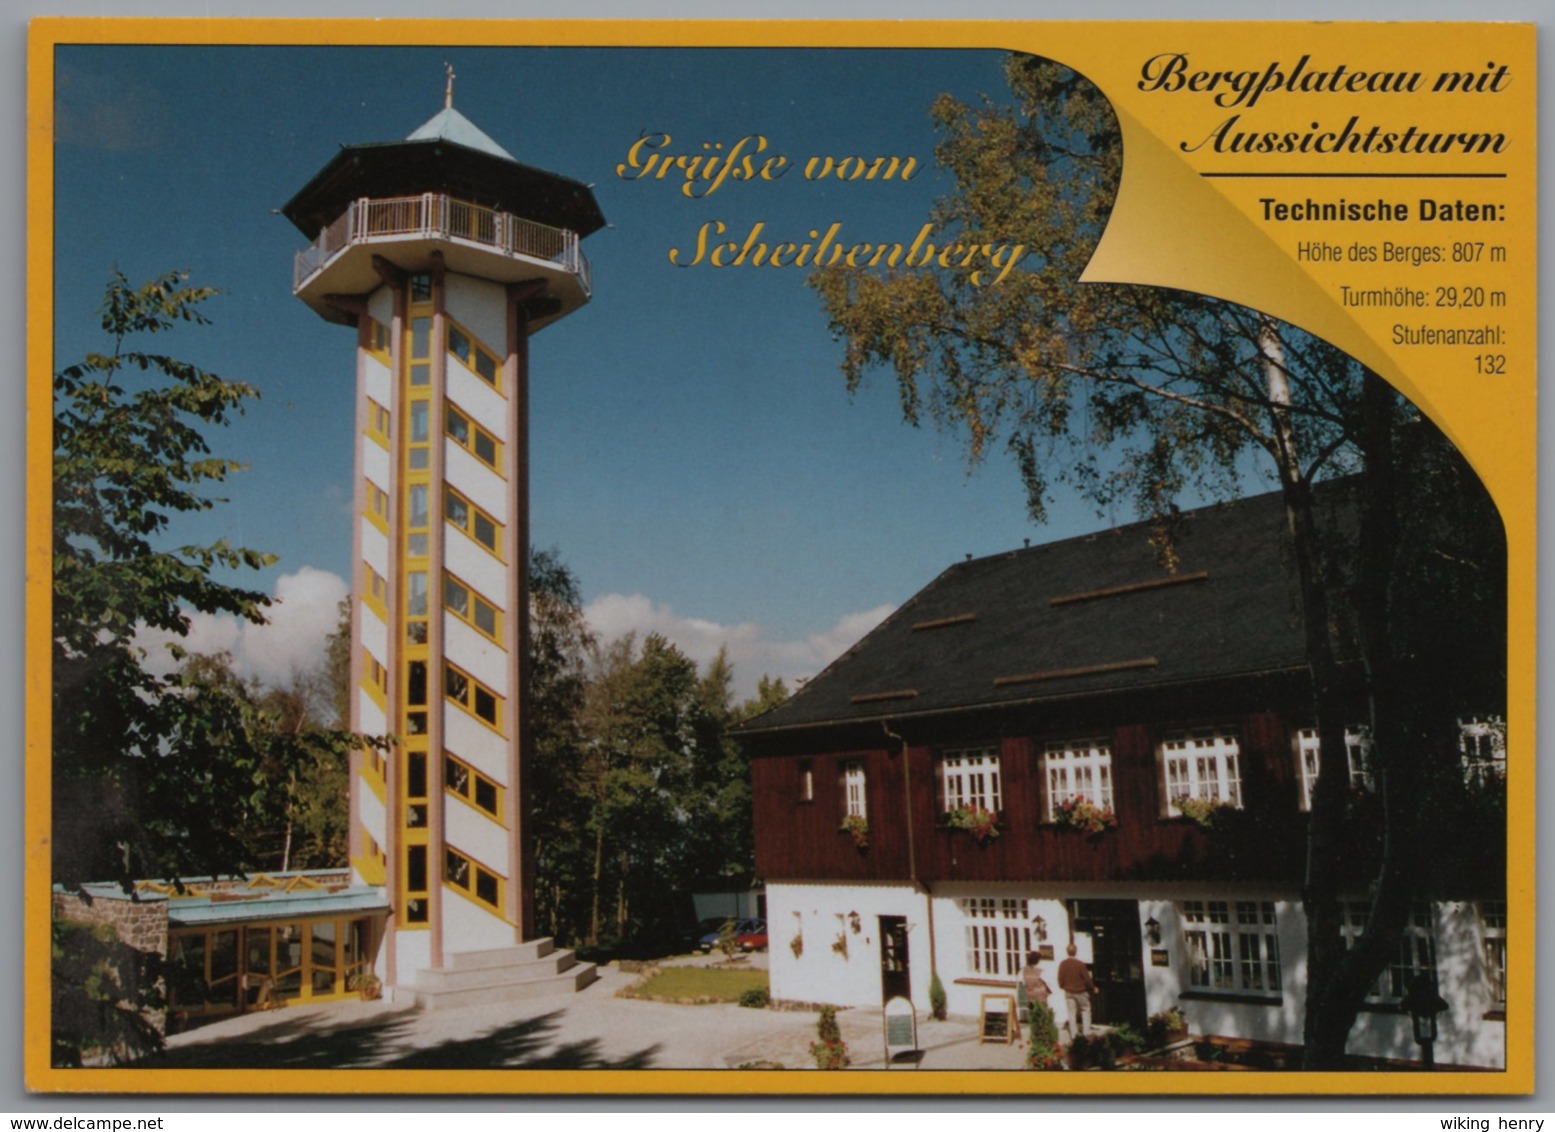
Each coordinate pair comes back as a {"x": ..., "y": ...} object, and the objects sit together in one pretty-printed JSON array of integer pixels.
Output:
[{"x": 695, "y": 457}]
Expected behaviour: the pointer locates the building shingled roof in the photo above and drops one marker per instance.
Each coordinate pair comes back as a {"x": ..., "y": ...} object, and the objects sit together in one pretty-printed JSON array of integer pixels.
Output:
[{"x": 1083, "y": 616}]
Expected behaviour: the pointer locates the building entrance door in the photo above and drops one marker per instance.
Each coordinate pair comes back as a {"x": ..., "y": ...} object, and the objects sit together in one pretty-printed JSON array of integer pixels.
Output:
[
  {"x": 895, "y": 978},
  {"x": 1117, "y": 963}
]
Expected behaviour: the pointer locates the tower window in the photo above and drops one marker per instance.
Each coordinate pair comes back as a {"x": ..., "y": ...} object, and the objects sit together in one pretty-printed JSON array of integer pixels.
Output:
[
  {"x": 471, "y": 695},
  {"x": 471, "y": 520},
  {"x": 467, "y": 605},
  {"x": 474, "y": 356}
]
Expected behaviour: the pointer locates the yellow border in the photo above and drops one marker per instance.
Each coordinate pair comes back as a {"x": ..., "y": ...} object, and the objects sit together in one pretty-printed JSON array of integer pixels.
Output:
[{"x": 1507, "y": 466}]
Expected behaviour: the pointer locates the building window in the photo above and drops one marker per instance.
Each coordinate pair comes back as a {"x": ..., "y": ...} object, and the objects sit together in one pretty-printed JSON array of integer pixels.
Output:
[
  {"x": 1077, "y": 770},
  {"x": 1231, "y": 947},
  {"x": 377, "y": 595},
  {"x": 1415, "y": 954},
  {"x": 475, "y": 356},
  {"x": 416, "y": 907},
  {"x": 471, "y": 785},
  {"x": 420, "y": 455},
  {"x": 416, "y": 607},
  {"x": 378, "y": 506},
  {"x": 1204, "y": 765},
  {"x": 1492, "y": 923},
  {"x": 471, "y": 437},
  {"x": 472, "y": 879},
  {"x": 998, "y": 935},
  {"x": 467, "y": 605},
  {"x": 471, "y": 520},
  {"x": 377, "y": 338},
  {"x": 970, "y": 779},
  {"x": 853, "y": 803},
  {"x": 806, "y": 782},
  {"x": 1482, "y": 746},
  {"x": 470, "y": 694},
  {"x": 378, "y": 422},
  {"x": 1357, "y": 746}
]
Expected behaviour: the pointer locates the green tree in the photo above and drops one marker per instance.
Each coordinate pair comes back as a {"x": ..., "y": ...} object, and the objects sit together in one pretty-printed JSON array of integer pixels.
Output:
[
  {"x": 1136, "y": 394},
  {"x": 146, "y": 778},
  {"x": 720, "y": 843},
  {"x": 641, "y": 721},
  {"x": 560, "y": 645}
]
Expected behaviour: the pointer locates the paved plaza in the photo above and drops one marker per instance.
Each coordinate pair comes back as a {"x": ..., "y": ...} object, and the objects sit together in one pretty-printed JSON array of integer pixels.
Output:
[{"x": 593, "y": 1029}]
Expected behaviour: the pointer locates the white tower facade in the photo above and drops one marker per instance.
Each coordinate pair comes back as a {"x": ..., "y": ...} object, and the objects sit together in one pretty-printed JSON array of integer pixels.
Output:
[{"x": 446, "y": 255}]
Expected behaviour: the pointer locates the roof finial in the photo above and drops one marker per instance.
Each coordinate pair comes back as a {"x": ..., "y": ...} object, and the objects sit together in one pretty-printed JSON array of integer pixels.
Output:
[{"x": 448, "y": 91}]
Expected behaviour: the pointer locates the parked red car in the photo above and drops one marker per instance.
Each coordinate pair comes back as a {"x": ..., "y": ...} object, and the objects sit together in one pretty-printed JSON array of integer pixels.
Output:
[{"x": 755, "y": 939}]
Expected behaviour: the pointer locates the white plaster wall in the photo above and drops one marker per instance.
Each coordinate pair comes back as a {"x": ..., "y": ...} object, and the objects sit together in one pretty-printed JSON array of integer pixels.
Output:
[
  {"x": 470, "y": 560},
  {"x": 375, "y": 635},
  {"x": 481, "y": 306},
  {"x": 412, "y": 952},
  {"x": 380, "y": 304},
  {"x": 821, "y": 975},
  {"x": 372, "y": 719},
  {"x": 468, "y": 926},
  {"x": 474, "y": 834},
  {"x": 376, "y": 463},
  {"x": 479, "y": 484},
  {"x": 375, "y": 547},
  {"x": 370, "y": 811},
  {"x": 475, "y": 743},
  {"x": 474, "y": 653},
  {"x": 376, "y": 380},
  {"x": 479, "y": 400},
  {"x": 1465, "y": 1036}
]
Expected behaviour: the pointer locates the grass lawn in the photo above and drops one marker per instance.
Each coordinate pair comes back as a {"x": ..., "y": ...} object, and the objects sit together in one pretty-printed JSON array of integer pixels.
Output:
[{"x": 699, "y": 984}]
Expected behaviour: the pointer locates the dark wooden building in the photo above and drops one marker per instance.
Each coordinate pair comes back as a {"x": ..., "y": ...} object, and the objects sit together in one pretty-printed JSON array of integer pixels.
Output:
[{"x": 1076, "y": 743}]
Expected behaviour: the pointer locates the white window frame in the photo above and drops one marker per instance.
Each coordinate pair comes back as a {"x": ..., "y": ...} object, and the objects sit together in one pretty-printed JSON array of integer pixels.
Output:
[
  {"x": 1357, "y": 748},
  {"x": 1482, "y": 747},
  {"x": 1231, "y": 946},
  {"x": 855, "y": 804},
  {"x": 1205, "y": 764},
  {"x": 998, "y": 935},
  {"x": 970, "y": 777},
  {"x": 1078, "y": 768},
  {"x": 1414, "y": 955}
]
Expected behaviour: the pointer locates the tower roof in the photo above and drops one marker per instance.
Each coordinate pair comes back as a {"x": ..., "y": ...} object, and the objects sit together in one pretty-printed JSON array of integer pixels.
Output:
[
  {"x": 448, "y": 154},
  {"x": 450, "y": 125}
]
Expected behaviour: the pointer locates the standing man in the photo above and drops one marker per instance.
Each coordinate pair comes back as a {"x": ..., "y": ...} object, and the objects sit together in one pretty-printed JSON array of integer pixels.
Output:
[{"x": 1074, "y": 979}]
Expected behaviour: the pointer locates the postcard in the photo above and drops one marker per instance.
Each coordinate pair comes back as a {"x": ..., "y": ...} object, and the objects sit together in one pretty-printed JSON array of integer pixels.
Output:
[{"x": 806, "y": 557}]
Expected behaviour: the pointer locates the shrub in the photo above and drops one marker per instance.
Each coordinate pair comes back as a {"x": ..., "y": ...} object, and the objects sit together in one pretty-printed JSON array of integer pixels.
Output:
[
  {"x": 757, "y": 998},
  {"x": 1094, "y": 1051},
  {"x": 1125, "y": 1039},
  {"x": 936, "y": 997},
  {"x": 1043, "y": 1052},
  {"x": 829, "y": 1051}
]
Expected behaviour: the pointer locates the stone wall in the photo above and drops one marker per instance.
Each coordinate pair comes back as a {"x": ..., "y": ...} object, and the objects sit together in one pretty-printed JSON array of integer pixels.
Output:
[{"x": 141, "y": 923}]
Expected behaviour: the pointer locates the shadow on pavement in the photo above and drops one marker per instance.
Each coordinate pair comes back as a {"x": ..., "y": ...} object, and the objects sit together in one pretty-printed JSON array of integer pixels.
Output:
[{"x": 389, "y": 1043}]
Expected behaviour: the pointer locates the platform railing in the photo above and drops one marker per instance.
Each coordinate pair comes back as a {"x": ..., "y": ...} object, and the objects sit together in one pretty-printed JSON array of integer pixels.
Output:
[{"x": 436, "y": 215}]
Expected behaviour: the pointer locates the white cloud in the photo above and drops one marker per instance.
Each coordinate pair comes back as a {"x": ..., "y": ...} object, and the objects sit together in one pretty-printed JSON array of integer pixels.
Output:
[
  {"x": 751, "y": 648},
  {"x": 298, "y": 623}
]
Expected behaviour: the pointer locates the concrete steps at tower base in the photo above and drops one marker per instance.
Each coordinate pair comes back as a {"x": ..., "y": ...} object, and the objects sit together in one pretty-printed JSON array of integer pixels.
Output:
[{"x": 508, "y": 974}]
